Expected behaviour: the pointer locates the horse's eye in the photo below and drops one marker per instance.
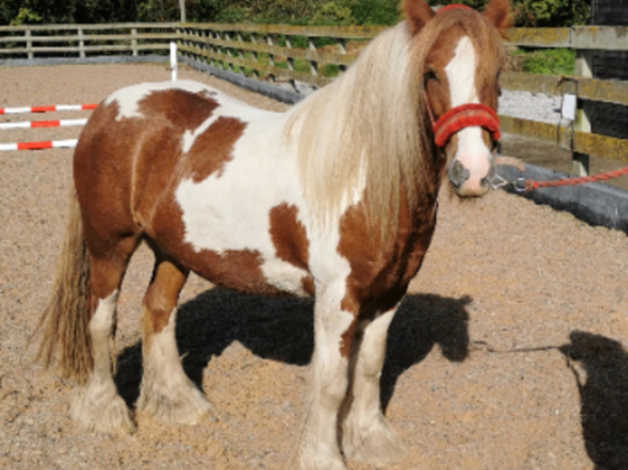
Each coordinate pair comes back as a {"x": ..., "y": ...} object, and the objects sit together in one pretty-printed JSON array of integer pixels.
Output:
[{"x": 429, "y": 75}]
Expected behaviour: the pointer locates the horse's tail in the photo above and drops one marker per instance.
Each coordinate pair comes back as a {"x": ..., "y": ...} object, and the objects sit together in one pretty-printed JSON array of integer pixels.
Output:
[{"x": 64, "y": 322}]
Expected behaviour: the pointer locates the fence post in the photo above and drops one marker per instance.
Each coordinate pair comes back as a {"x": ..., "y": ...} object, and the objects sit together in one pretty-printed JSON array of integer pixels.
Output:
[
  {"x": 173, "y": 61},
  {"x": 583, "y": 69},
  {"x": 134, "y": 42},
  {"x": 29, "y": 44},
  {"x": 81, "y": 43}
]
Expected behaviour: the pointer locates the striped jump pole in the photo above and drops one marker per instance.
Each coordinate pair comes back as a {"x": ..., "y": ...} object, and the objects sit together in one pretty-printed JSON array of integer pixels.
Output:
[
  {"x": 36, "y": 124},
  {"x": 46, "y": 144},
  {"x": 47, "y": 109}
]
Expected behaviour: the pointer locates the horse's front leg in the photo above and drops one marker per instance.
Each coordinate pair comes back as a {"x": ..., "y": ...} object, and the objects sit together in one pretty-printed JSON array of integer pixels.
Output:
[
  {"x": 333, "y": 335},
  {"x": 366, "y": 435}
]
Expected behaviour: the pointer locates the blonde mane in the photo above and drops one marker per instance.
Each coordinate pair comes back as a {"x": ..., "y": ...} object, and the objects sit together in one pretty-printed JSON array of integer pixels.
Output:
[
  {"x": 364, "y": 131},
  {"x": 363, "y": 136}
]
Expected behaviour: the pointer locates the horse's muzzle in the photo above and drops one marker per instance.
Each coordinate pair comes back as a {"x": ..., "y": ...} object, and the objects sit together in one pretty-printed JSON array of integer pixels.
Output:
[{"x": 468, "y": 183}]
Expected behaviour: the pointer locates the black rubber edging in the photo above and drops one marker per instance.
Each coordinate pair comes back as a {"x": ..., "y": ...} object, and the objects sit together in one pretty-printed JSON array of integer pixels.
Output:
[
  {"x": 595, "y": 203},
  {"x": 272, "y": 91}
]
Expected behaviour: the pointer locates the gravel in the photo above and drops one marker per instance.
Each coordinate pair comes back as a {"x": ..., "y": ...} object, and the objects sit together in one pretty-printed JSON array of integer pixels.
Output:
[
  {"x": 477, "y": 376},
  {"x": 534, "y": 106}
]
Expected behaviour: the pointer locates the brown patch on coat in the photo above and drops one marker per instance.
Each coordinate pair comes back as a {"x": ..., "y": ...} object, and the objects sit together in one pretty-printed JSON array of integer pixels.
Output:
[
  {"x": 288, "y": 235},
  {"x": 381, "y": 269},
  {"x": 162, "y": 295},
  {"x": 181, "y": 108},
  {"x": 436, "y": 82},
  {"x": 103, "y": 167},
  {"x": 212, "y": 149},
  {"x": 308, "y": 285}
]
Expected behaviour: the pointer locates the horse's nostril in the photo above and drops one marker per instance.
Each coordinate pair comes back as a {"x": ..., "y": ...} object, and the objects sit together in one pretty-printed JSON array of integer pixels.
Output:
[{"x": 458, "y": 174}]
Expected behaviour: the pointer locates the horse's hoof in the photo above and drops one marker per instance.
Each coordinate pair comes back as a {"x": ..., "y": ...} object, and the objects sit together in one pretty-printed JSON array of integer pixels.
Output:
[
  {"x": 182, "y": 404},
  {"x": 375, "y": 443},
  {"x": 106, "y": 413},
  {"x": 315, "y": 457}
]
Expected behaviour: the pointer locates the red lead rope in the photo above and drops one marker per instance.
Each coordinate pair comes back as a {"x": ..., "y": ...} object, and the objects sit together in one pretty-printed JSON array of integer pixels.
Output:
[{"x": 530, "y": 185}]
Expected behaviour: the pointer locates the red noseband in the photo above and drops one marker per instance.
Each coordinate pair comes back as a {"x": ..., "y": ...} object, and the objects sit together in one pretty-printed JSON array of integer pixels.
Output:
[{"x": 466, "y": 115}]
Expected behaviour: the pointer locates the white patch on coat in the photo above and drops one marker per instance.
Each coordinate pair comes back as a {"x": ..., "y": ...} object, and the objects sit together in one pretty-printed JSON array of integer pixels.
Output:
[
  {"x": 472, "y": 151},
  {"x": 128, "y": 98},
  {"x": 101, "y": 323},
  {"x": 230, "y": 210}
]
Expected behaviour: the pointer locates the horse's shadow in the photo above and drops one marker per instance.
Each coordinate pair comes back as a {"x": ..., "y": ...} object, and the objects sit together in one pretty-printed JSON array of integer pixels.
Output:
[
  {"x": 603, "y": 397},
  {"x": 281, "y": 328}
]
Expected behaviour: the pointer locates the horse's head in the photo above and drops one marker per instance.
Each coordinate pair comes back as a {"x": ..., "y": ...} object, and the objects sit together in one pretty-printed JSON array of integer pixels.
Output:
[{"x": 460, "y": 55}]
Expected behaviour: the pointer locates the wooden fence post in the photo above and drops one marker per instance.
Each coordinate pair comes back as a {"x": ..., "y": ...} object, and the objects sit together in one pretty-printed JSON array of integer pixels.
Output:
[
  {"x": 29, "y": 44},
  {"x": 81, "y": 43},
  {"x": 134, "y": 42},
  {"x": 580, "y": 164}
]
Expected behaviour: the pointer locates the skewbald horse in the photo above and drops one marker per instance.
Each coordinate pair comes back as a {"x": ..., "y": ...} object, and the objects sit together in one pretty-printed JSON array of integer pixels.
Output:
[{"x": 335, "y": 198}]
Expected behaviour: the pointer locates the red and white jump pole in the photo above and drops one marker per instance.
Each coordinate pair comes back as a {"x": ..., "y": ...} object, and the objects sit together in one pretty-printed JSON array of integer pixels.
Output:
[
  {"x": 49, "y": 108},
  {"x": 35, "y": 124},
  {"x": 46, "y": 144}
]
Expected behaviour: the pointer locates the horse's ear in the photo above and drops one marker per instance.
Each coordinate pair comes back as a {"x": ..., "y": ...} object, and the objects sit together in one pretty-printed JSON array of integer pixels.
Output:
[
  {"x": 499, "y": 14},
  {"x": 417, "y": 12}
]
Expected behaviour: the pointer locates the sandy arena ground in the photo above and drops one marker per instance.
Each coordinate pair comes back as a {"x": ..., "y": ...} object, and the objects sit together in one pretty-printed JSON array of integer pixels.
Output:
[{"x": 509, "y": 353}]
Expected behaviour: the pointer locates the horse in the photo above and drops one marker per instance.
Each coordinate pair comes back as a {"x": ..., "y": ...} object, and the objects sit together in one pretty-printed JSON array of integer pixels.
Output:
[{"x": 335, "y": 198}]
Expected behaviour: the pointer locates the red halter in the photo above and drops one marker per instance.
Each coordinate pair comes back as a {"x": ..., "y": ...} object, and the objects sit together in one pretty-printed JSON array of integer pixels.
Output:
[
  {"x": 452, "y": 6},
  {"x": 466, "y": 115}
]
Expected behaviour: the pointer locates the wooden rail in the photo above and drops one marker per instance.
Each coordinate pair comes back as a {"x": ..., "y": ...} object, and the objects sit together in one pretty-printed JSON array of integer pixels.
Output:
[
  {"x": 315, "y": 54},
  {"x": 81, "y": 40}
]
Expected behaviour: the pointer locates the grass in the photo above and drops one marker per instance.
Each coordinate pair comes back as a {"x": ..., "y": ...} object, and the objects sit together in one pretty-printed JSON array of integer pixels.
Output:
[{"x": 548, "y": 61}]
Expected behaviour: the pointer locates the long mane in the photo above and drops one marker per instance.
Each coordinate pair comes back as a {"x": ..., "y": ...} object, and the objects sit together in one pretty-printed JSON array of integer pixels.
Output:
[{"x": 365, "y": 131}]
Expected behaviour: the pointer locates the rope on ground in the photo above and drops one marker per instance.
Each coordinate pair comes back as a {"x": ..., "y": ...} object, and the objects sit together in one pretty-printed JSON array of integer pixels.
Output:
[{"x": 523, "y": 185}]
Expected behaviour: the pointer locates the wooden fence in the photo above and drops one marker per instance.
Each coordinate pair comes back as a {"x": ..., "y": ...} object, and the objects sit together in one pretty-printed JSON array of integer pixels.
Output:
[
  {"x": 316, "y": 54},
  {"x": 39, "y": 41}
]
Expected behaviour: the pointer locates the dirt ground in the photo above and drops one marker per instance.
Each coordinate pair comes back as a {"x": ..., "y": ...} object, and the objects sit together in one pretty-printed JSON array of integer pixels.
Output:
[{"x": 508, "y": 354}]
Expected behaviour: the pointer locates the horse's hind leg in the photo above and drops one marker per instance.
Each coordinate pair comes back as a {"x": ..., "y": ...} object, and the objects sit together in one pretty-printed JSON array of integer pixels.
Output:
[
  {"x": 366, "y": 435},
  {"x": 166, "y": 393},
  {"x": 98, "y": 405}
]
